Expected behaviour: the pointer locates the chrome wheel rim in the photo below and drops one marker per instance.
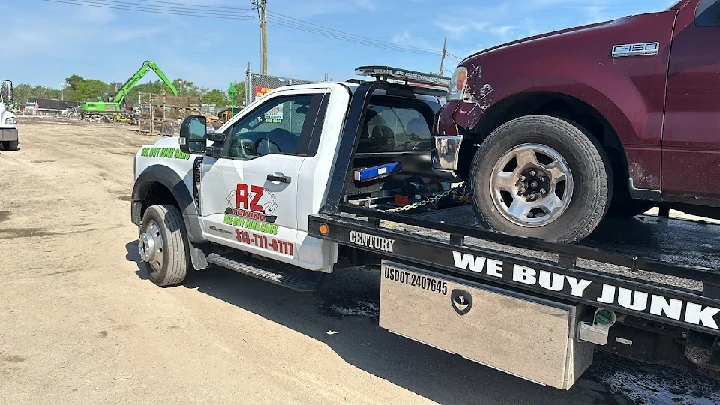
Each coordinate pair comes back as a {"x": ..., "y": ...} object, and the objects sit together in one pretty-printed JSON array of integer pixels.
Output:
[
  {"x": 531, "y": 185},
  {"x": 150, "y": 246}
]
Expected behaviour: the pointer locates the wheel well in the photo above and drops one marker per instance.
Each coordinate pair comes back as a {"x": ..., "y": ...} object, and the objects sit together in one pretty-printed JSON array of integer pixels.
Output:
[
  {"x": 555, "y": 104},
  {"x": 157, "y": 194}
]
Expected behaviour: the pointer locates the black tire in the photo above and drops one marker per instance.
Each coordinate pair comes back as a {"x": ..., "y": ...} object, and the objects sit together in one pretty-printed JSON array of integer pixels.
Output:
[
  {"x": 585, "y": 158},
  {"x": 629, "y": 208},
  {"x": 10, "y": 145},
  {"x": 175, "y": 251}
]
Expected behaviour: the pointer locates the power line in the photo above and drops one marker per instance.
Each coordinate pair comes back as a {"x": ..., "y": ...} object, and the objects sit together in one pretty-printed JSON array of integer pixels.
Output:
[
  {"x": 284, "y": 20},
  {"x": 372, "y": 43},
  {"x": 151, "y": 9},
  {"x": 232, "y": 13},
  {"x": 198, "y": 5}
]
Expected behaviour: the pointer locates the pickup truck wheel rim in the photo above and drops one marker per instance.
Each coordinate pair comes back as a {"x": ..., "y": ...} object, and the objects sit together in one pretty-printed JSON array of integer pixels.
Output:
[
  {"x": 150, "y": 246},
  {"x": 531, "y": 185}
]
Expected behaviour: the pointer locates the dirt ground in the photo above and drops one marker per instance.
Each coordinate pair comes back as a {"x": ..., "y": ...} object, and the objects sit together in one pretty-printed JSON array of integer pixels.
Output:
[{"x": 81, "y": 324}]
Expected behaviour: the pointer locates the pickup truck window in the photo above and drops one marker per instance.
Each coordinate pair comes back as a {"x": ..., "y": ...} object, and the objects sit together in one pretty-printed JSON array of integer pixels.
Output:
[
  {"x": 707, "y": 13},
  {"x": 396, "y": 126},
  {"x": 282, "y": 125}
]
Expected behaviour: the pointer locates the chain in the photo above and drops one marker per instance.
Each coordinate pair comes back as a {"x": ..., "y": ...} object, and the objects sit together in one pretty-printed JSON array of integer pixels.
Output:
[{"x": 434, "y": 200}]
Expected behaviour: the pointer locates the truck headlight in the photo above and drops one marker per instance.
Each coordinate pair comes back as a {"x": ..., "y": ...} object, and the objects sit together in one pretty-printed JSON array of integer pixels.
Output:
[
  {"x": 10, "y": 121},
  {"x": 457, "y": 84}
]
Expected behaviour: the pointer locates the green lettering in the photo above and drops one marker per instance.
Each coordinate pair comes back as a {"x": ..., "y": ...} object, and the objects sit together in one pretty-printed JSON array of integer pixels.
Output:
[
  {"x": 144, "y": 152},
  {"x": 181, "y": 155},
  {"x": 228, "y": 220},
  {"x": 252, "y": 224},
  {"x": 268, "y": 228}
]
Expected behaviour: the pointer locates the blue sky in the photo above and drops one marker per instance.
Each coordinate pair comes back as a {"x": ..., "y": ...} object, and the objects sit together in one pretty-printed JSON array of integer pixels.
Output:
[{"x": 44, "y": 42}]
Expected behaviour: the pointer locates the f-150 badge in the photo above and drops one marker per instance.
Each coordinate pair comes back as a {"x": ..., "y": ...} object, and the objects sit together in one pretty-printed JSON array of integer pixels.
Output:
[{"x": 639, "y": 49}]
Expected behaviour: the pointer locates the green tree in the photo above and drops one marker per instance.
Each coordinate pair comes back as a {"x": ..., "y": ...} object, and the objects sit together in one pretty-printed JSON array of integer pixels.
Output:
[
  {"x": 22, "y": 92},
  {"x": 240, "y": 95},
  {"x": 217, "y": 97},
  {"x": 81, "y": 89}
]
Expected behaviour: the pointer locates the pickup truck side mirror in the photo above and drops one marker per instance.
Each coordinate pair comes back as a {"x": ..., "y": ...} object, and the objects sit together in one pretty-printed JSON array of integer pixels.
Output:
[
  {"x": 6, "y": 91},
  {"x": 193, "y": 134}
]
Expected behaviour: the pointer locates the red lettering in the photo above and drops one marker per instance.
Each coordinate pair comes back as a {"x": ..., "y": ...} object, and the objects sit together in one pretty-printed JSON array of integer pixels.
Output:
[
  {"x": 258, "y": 216},
  {"x": 254, "y": 206},
  {"x": 241, "y": 196}
]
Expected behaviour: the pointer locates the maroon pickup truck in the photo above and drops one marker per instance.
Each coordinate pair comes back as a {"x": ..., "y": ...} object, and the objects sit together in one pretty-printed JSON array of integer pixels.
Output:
[{"x": 556, "y": 131}]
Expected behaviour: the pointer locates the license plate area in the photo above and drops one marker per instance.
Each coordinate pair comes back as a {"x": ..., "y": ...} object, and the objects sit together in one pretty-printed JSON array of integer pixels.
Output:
[{"x": 526, "y": 336}]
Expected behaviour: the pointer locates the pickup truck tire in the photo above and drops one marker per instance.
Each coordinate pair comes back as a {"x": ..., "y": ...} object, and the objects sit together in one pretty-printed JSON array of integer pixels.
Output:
[
  {"x": 162, "y": 245},
  {"x": 10, "y": 145},
  {"x": 543, "y": 177}
]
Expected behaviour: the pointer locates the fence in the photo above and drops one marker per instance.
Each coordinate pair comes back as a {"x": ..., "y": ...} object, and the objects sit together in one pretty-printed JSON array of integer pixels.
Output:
[
  {"x": 164, "y": 114},
  {"x": 257, "y": 85},
  {"x": 160, "y": 113}
]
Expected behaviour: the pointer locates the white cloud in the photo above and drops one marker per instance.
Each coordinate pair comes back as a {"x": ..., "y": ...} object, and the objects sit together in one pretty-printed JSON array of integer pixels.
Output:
[
  {"x": 505, "y": 32},
  {"x": 595, "y": 14},
  {"x": 453, "y": 29},
  {"x": 407, "y": 39},
  {"x": 365, "y": 4}
]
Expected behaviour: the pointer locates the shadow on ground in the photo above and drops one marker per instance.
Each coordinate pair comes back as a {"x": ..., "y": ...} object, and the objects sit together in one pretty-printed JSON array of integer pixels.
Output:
[
  {"x": 343, "y": 314},
  {"x": 347, "y": 304}
]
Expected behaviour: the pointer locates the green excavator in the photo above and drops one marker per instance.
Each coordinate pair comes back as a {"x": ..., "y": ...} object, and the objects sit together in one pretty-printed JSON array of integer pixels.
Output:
[{"x": 117, "y": 104}]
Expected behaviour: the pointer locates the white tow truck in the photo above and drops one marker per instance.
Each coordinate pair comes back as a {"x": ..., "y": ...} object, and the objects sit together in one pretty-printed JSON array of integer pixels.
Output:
[
  {"x": 8, "y": 121},
  {"x": 316, "y": 177}
]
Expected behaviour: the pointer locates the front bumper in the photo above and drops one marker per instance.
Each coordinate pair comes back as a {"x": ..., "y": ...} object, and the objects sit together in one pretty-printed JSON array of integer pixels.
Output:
[
  {"x": 8, "y": 134},
  {"x": 445, "y": 155}
]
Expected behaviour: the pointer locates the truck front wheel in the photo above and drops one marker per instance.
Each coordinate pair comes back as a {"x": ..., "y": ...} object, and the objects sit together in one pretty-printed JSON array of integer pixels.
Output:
[
  {"x": 161, "y": 245},
  {"x": 542, "y": 177}
]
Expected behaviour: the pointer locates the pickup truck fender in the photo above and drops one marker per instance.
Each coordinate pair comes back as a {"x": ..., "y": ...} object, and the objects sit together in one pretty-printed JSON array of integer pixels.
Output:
[{"x": 628, "y": 93}]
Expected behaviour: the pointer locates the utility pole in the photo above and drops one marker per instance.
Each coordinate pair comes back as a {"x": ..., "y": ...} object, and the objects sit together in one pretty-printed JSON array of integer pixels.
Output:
[
  {"x": 442, "y": 59},
  {"x": 261, "y": 6}
]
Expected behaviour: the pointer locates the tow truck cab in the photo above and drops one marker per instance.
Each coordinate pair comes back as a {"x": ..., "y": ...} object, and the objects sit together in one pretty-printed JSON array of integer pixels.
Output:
[
  {"x": 8, "y": 121},
  {"x": 252, "y": 184}
]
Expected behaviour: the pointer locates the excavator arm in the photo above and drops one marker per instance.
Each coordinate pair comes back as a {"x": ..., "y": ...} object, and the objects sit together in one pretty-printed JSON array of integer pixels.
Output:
[{"x": 125, "y": 89}]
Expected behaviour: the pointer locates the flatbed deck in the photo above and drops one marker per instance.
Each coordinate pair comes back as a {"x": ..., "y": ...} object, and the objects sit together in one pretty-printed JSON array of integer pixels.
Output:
[
  {"x": 676, "y": 241},
  {"x": 655, "y": 268}
]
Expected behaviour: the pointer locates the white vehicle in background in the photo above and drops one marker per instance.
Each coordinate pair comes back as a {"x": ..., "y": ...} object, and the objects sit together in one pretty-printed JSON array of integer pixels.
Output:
[{"x": 8, "y": 121}]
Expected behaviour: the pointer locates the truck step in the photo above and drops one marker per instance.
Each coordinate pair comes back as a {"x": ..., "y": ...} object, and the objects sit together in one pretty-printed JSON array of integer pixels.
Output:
[{"x": 269, "y": 270}]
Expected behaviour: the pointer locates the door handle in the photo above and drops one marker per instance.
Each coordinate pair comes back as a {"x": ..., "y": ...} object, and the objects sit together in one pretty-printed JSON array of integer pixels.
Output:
[{"x": 281, "y": 179}]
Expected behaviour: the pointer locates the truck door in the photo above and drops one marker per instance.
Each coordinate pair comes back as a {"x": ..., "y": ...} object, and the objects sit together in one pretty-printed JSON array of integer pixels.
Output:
[
  {"x": 691, "y": 135},
  {"x": 248, "y": 196}
]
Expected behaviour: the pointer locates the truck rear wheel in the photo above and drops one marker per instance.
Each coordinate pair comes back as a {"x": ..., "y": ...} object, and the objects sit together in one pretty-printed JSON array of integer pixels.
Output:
[
  {"x": 543, "y": 177},
  {"x": 162, "y": 245}
]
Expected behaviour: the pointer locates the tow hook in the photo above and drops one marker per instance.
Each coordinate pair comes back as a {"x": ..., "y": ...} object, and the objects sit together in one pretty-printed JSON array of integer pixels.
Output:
[{"x": 597, "y": 331}]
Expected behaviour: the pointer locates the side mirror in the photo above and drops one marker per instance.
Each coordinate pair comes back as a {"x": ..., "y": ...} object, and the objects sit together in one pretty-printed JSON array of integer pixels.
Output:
[
  {"x": 7, "y": 90},
  {"x": 214, "y": 151},
  {"x": 217, "y": 136},
  {"x": 193, "y": 134}
]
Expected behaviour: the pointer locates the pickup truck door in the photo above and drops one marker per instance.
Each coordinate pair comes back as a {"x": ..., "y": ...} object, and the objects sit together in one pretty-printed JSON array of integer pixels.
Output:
[
  {"x": 691, "y": 134},
  {"x": 248, "y": 196}
]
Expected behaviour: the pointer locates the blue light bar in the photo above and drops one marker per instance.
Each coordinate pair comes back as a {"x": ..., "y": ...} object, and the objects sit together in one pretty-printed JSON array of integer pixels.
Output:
[{"x": 376, "y": 172}]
